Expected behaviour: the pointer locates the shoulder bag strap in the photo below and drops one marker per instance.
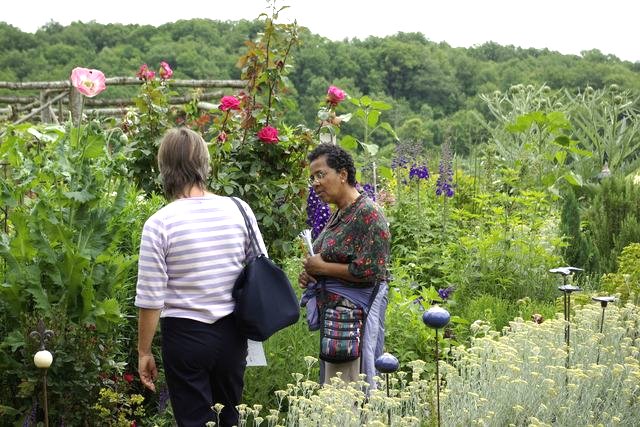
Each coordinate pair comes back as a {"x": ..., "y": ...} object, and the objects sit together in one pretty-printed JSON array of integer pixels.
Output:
[{"x": 252, "y": 235}]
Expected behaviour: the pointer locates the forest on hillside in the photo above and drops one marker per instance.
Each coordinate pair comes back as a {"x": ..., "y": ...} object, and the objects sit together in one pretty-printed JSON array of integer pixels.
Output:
[{"x": 432, "y": 87}]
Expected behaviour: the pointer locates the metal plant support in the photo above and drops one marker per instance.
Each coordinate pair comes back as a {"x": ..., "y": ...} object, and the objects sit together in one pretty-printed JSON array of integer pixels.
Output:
[
  {"x": 43, "y": 360},
  {"x": 604, "y": 300},
  {"x": 436, "y": 317}
]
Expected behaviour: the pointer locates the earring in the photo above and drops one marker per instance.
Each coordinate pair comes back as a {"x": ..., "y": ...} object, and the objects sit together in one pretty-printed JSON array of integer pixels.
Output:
[{"x": 343, "y": 181}]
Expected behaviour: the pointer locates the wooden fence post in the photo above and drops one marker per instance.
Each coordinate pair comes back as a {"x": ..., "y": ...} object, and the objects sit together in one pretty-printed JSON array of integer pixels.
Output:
[
  {"x": 45, "y": 113},
  {"x": 75, "y": 104}
]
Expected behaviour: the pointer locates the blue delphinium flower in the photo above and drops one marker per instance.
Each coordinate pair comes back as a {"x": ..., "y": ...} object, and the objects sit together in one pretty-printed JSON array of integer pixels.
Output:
[
  {"x": 444, "y": 184},
  {"x": 406, "y": 152},
  {"x": 419, "y": 172},
  {"x": 366, "y": 189},
  {"x": 318, "y": 213},
  {"x": 446, "y": 292}
]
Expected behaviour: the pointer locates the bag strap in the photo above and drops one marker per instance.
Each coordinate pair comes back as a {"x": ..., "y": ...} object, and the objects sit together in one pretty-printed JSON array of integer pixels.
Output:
[{"x": 252, "y": 234}]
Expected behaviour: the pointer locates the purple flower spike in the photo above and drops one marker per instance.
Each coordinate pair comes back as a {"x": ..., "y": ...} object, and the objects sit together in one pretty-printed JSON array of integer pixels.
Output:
[
  {"x": 318, "y": 213},
  {"x": 444, "y": 184},
  {"x": 419, "y": 172}
]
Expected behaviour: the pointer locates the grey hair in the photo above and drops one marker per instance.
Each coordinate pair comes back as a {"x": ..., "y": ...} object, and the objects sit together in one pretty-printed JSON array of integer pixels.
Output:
[{"x": 183, "y": 160}]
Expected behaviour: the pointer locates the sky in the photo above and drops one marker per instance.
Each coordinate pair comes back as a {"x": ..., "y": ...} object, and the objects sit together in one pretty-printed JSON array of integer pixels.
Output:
[{"x": 566, "y": 26}]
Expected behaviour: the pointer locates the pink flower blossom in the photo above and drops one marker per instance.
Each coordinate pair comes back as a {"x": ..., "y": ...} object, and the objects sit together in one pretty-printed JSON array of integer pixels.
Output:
[
  {"x": 268, "y": 135},
  {"x": 145, "y": 73},
  {"x": 222, "y": 136},
  {"x": 335, "y": 95},
  {"x": 229, "y": 103},
  {"x": 165, "y": 71},
  {"x": 88, "y": 82}
]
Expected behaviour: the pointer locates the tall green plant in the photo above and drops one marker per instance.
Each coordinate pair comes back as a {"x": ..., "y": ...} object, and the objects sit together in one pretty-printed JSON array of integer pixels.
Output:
[
  {"x": 255, "y": 154},
  {"x": 607, "y": 122},
  {"x": 612, "y": 220},
  {"x": 69, "y": 260},
  {"x": 576, "y": 251}
]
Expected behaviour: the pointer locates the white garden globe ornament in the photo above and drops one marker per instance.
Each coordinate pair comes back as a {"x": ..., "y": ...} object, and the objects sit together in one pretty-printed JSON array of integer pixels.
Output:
[{"x": 43, "y": 359}]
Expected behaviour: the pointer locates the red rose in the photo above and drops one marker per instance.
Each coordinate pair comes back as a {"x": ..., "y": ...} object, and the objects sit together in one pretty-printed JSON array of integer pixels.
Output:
[
  {"x": 268, "y": 135},
  {"x": 229, "y": 103},
  {"x": 128, "y": 377},
  {"x": 335, "y": 95}
]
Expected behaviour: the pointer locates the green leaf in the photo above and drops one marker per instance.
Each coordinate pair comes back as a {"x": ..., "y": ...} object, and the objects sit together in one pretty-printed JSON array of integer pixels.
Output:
[
  {"x": 561, "y": 156},
  {"x": 14, "y": 340},
  {"x": 348, "y": 142},
  {"x": 379, "y": 105},
  {"x": 573, "y": 179},
  {"x": 94, "y": 147},
  {"x": 386, "y": 126},
  {"x": 372, "y": 149},
  {"x": 372, "y": 120},
  {"x": 385, "y": 172},
  {"x": 79, "y": 196},
  {"x": 563, "y": 140},
  {"x": 365, "y": 101},
  {"x": 228, "y": 189},
  {"x": 40, "y": 297}
]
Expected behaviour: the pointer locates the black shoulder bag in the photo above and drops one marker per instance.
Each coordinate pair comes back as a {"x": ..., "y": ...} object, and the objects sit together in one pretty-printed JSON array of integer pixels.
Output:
[{"x": 265, "y": 300}]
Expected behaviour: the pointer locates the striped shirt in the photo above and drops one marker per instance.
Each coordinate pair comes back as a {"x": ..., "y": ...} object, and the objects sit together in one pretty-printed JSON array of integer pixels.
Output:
[{"x": 191, "y": 253}]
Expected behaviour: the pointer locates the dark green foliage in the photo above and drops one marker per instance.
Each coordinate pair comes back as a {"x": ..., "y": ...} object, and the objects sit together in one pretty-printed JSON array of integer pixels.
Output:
[
  {"x": 68, "y": 260},
  {"x": 626, "y": 281},
  {"x": 576, "y": 252},
  {"x": 612, "y": 220}
]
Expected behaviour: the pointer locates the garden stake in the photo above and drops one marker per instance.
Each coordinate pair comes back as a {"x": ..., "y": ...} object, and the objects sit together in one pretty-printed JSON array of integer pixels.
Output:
[
  {"x": 603, "y": 303},
  {"x": 386, "y": 364},
  {"x": 566, "y": 290},
  {"x": 42, "y": 359},
  {"x": 436, "y": 317}
]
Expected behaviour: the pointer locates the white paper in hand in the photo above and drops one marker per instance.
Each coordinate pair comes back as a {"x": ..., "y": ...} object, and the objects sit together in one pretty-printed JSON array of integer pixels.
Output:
[
  {"x": 306, "y": 237},
  {"x": 255, "y": 354}
]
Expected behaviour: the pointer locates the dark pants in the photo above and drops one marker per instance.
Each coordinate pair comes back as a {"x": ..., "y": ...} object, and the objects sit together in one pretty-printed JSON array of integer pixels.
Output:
[{"x": 204, "y": 365}]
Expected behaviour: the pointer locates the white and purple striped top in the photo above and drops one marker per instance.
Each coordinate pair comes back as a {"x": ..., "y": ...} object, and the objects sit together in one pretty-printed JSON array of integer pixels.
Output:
[{"x": 191, "y": 253}]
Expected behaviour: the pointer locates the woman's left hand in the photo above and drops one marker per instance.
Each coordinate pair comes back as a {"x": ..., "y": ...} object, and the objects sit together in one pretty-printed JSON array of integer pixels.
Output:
[{"x": 314, "y": 265}]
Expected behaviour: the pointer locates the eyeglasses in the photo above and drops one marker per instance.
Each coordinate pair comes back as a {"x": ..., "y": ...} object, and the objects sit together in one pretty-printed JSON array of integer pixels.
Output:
[{"x": 318, "y": 176}]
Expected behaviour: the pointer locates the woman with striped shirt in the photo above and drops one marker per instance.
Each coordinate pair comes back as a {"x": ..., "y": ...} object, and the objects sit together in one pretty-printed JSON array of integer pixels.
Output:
[{"x": 191, "y": 252}]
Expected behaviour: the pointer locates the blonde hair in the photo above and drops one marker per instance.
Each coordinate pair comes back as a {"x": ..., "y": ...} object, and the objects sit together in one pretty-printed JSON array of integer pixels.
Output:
[{"x": 183, "y": 160}]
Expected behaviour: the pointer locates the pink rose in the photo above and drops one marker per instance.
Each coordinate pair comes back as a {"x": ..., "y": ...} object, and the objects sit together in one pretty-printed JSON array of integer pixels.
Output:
[
  {"x": 335, "y": 95},
  {"x": 88, "y": 82},
  {"x": 165, "y": 71},
  {"x": 145, "y": 73},
  {"x": 222, "y": 136},
  {"x": 268, "y": 135},
  {"x": 229, "y": 103}
]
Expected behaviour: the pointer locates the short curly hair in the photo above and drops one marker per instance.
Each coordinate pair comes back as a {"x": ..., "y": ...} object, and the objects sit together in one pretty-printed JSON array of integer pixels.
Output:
[{"x": 337, "y": 159}]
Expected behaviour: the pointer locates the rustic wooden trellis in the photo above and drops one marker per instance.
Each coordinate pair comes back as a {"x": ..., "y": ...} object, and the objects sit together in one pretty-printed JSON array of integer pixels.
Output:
[{"x": 57, "y": 98}]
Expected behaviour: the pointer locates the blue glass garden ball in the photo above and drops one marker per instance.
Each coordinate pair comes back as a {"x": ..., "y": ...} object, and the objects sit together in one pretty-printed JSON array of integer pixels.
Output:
[
  {"x": 436, "y": 317},
  {"x": 387, "y": 363}
]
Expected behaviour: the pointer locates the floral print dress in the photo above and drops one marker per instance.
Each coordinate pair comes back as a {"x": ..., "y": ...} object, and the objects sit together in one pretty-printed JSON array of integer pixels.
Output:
[{"x": 358, "y": 236}]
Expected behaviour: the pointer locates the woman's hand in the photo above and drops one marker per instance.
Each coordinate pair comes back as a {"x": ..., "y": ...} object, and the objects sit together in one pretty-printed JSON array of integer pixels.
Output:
[
  {"x": 314, "y": 266},
  {"x": 148, "y": 371},
  {"x": 304, "y": 279}
]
